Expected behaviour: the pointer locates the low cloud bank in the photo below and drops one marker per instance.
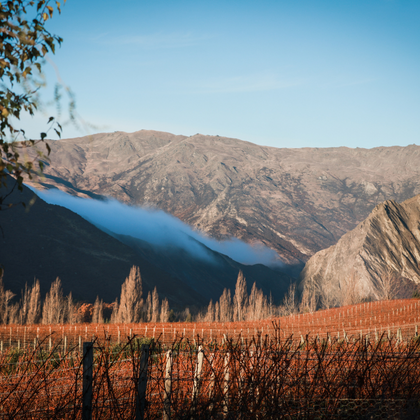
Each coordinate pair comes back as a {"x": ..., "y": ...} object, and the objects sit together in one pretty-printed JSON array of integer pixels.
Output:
[{"x": 157, "y": 228}]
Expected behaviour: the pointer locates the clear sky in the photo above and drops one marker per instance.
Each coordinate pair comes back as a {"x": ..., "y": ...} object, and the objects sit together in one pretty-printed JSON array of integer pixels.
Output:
[{"x": 280, "y": 73}]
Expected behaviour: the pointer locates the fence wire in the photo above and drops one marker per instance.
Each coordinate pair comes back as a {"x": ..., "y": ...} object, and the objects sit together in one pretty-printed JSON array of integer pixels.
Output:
[{"x": 259, "y": 378}]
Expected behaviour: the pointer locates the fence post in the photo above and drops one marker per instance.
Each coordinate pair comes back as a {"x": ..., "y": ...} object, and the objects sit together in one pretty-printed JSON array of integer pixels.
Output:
[
  {"x": 226, "y": 385},
  {"x": 142, "y": 384},
  {"x": 212, "y": 382},
  {"x": 87, "y": 380},
  {"x": 168, "y": 387},
  {"x": 197, "y": 374}
]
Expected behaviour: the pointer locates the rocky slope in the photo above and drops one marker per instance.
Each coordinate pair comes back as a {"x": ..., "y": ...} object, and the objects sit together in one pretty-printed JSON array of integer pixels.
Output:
[
  {"x": 297, "y": 201},
  {"x": 379, "y": 256},
  {"x": 46, "y": 241}
]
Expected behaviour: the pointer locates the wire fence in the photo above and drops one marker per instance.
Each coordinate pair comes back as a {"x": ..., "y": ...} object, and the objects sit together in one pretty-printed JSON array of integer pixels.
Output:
[
  {"x": 261, "y": 377},
  {"x": 396, "y": 317}
]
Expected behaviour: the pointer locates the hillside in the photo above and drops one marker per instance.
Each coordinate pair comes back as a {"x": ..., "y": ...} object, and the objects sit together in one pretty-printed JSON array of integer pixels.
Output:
[
  {"x": 381, "y": 255},
  {"x": 296, "y": 201},
  {"x": 46, "y": 241}
]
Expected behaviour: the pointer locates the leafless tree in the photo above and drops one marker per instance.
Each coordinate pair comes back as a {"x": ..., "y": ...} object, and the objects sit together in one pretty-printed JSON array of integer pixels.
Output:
[
  {"x": 35, "y": 306},
  {"x": 149, "y": 308},
  {"x": 209, "y": 317},
  {"x": 289, "y": 305},
  {"x": 387, "y": 285},
  {"x": 30, "y": 306},
  {"x": 240, "y": 299},
  {"x": 308, "y": 301},
  {"x": 258, "y": 307},
  {"x": 98, "y": 311},
  {"x": 164, "y": 311},
  {"x": 155, "y": 306},
  {"x": 216, "y": 312},
  {"x": 130, "y": 306},
  {"x": 53, "y": 310},
  {"x": 115, "y": 310},
  {"x": 326, "y": 297},
  {"x": 225, "y": 306},
  {"x": 72, "y": 314},
  {"x": 6, "y": 309},
  {"x": 14, "y": 313},
  {"x": 350, "y": 293}
]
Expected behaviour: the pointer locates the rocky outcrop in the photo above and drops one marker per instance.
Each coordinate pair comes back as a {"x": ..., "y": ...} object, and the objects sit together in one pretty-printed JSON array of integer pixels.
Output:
[
  {"x": 296, "y": 201},
  {"x": 380, "y": 257}
]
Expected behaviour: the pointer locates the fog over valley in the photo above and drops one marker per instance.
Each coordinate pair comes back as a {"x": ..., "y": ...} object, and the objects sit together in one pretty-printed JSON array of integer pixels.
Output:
[{"x": 158, "y": 228}]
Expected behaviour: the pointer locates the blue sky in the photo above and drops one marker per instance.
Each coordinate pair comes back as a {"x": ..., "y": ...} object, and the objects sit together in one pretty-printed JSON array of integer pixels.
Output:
[{"x": 278, "y": 73}]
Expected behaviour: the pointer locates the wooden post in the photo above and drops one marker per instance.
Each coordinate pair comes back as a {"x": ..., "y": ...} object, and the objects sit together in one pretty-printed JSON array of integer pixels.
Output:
[
  {"x": 212, "y": 383},
  {"x": 80, "y": 344},
  {"x": 168, "y": 387},
  {"x": 87, "y": 380},
  {"x": 142, "y": 383},
  {"x": 226, "y": 386},
  {"x": 197, "y": 374}
]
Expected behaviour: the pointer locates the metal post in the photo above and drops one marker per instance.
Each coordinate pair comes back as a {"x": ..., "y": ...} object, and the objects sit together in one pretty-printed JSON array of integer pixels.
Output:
[
  {"x": 142, "y": 384},
  {"x": 87, "y": 380}
]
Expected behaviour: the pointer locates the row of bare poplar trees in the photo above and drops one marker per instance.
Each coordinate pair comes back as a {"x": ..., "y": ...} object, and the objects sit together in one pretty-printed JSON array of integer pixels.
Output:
[
  {"x": 242, "y": 307},
  {"x": 131, "y": 307},
  {"x": 59, "y": 309},
  {"x": 55, "y": 309}
]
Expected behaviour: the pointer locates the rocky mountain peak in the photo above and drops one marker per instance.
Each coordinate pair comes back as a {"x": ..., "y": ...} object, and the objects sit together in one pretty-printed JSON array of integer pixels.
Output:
[{"x": 384, "y": 247}]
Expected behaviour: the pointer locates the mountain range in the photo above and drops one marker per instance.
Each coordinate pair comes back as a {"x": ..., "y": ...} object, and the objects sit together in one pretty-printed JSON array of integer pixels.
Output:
[{"x": 296, "y": 201}]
